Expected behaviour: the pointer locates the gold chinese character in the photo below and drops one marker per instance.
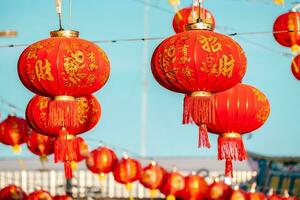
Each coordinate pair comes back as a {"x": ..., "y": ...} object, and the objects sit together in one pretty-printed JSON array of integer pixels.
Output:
[
  {"x": 43, "y": 71},
  {"x": 210, "y": 44},
  {"x": 31, "y": 54},
  {"x": 226, "y": 66},
  {"x": 184, "y": 59}
]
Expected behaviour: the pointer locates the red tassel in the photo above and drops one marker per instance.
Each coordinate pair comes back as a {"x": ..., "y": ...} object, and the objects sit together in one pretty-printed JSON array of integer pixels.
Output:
[
  {"x": 231, "y": 146},
  {"x": 203, "y": 140},
  {"x": 68, "y": 170},
  {"x": 228, "y": 168},
  {"x": 198, "y": 109},
  {"x": 63, "y": 112}
]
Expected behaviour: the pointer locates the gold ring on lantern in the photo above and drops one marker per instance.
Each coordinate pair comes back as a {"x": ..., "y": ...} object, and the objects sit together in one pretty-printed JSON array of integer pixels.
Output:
[
  {"x": 231, "y": 135},
  {"x": 64, "y": 33},
  {"x": 200, "y": 25},
  {"x": 201, "y": 94},
  {"x": 70, "y": 137},
  {"x": 64, "y": 98}
]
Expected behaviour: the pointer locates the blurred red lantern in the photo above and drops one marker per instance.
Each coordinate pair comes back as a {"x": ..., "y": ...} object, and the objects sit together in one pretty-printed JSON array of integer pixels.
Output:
[
  {"x": 12, "y": 192},
  {"x": 256, "y": 196},
  {"x": 39, "y": 195},
  {"x": 101, "y": 161},
  {"x": 173, "y": 185},
  {"x": 195, "y": 187},
  {"x": 286, "y": 30},
  {"x": 88, "y": 115},
  {"x": 40, "y": 145},
  {"x": 13, "y": 132},
  {"x": 238, "y": 194},
  {"x": 152, "y": 177},
  {"x": 218, "y": 191},
  {"x": 63, "y": 67},
  {"x": 198, "y": 63},
  {"x": 295, "y": 67},
  {"x": 62, "y": 197},
  {"x": 83, "y": 153},
  {"x": 239, "y": 110},
  {"x": 190, "y": 15}
]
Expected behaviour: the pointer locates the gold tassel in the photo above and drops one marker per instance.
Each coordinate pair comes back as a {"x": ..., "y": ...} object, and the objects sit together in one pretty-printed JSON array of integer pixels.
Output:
[
  {"x": 16, "y": 149},
  {"x": 153, "y": 193},
  {"x": 278, "y": 2},
  {"x": 295, "y": 48},
  {"x": 128, "y": 187},
  {"x": 170, "y": 197}
]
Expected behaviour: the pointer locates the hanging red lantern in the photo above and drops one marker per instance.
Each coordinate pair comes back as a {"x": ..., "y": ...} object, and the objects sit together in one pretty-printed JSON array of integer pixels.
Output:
[
  {"x": 173, "y": 185},
  {"x": 238, "y": 194},
  {"x": 83, "y": 153},
  {"x": 286, "y": 30},
  {"x": 40, "y": 145},
  {"x": 198, "y": 63},
  {"x": 39, "y": 195},
  {"x": 295, "y": 67},
  {"x": 101, "y": 161},
  {"x": 62, "y": 197},
  {"x": 239, "y": 110},
  {"x": 252, "y": 195},
  {"x": 152, "y": 177},
  {"x": 218, "y": 190},
  {"x": 195, "y": 187},
  {"x": 63, "y": 67},
  {"x": 12, "y": 192},
  {"x": 190, "y": 15},
  {"x": 13, "y": 132}
]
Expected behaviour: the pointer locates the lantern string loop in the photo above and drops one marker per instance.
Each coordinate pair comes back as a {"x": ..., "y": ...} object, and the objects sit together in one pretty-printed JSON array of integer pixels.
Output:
[{"x": 58, "y": 10}]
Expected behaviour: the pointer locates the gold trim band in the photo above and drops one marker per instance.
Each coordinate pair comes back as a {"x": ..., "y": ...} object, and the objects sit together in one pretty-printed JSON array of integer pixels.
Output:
[
  {"x": 64, "y": 98},
  {"x": 231, "y": 135},
  {"x": 201, "y": 94},
  {"x": 200, "y": 25},
  {"x": 64, "y": 33}
]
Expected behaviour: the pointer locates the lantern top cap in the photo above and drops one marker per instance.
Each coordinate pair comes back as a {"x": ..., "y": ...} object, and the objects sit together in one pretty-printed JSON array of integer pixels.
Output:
[
  {"x": 64, "y": 33},
  {"x": 200, "y": 25}
]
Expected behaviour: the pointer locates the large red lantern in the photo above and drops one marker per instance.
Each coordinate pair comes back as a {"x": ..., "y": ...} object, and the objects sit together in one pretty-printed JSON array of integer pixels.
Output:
[
  {"x": 63, "y": 67},
  {"x": 198, "y": 63},
  {"x": 39, "y": 195},
  {"x": 239, "y": 110},
  {"x": 286, "y": 30},
  {"x": 13, "y": 132},
  {"x": 40, "y": 145},
  {"x": 152, "y": 177},
  {"x": 190, "y": 15},
  {"x": 62, "y": 197},
  {"x": 195, "y": 187},
  {"x": 295, "y": 67},
  {"x": 218, "y": 190},
  {"x": 101, "y": 161},
  {"x": 173, "y": 185},
  {"x": 12, "y": 192}
]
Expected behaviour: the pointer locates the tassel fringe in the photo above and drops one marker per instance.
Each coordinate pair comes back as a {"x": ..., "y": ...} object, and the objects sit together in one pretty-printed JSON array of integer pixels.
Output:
[
  {"x": 228, "y": 168},
  {"x": 203, "y": 140},
  {"x": 231, "y": 148}
]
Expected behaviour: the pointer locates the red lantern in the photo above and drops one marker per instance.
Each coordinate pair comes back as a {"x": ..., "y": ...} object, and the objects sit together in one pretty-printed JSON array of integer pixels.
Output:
[
  {"x": 13, "y": 132},
  {"x": 40, "y": 145},
  {"x": 101, "y": 161},
  {"x": 286, "y": 30},
  {"x": 63, "y": 197},
  {"x": 39, "y": 195},
  {"x": 63, "y": 67},
  {"x": 218, "y": 191},
  {"x": 295, "y": 67},
  {"x": 190, "y": 15},
  {"x": 256, "y": 196},
  {"x": 152, "y": 177},
  {"x": 12, "y": 192},
  {"x": 198, "y": 63},
  {"x": 239, "y": 110},
  {"x": 173, "y": 185},
  {"x": 238, "y": 194},
  {"x": 195, "y": 187}
]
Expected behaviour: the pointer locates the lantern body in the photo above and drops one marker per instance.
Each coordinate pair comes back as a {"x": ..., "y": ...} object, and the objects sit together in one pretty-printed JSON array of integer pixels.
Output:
[
  {"x": 289, "y": 25},
  {"x": 39, "y": 195},
  {"x": 101, "y": 160},
  {"x": 13, "y": 131},
  {"x": 152, "y": 176},
  {"x": 295, "y": 67},
  {"x": 63, "y": 197},
  {"x": 195, "y": 188},
  {"x": 187, "y": 16},
  {"x": 63, "y": 66},
  {"x": 218, "y": 191},
  {"x": 256, "y": 196},
  {"x": 88, "y": 115},
  {"x": 127, "y": 170},
  {"x": 238, "y": 195},
  {"x": 39, "y": 144},
  {"x": 173, "y": 185},
  {"x": 12, "y": 192}
]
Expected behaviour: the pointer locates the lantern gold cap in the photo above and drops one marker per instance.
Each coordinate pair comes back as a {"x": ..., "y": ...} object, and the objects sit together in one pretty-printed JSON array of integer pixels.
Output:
[
  {"x": 64, "y": 33},
  {"x": 200, "y": 25}
]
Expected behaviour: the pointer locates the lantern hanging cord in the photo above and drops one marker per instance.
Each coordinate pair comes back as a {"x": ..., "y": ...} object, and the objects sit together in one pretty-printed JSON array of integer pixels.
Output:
[{"x": 58, "y": 10}]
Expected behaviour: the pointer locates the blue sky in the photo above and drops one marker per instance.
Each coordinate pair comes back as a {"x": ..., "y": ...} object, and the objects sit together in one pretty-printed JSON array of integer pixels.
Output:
[{"x": 120, "y": 124}]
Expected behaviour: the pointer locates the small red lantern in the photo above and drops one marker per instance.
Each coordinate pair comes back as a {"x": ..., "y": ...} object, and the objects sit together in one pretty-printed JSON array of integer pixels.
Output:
[
  {"x": 13, "y": 132},
  {"x": 295, "y": 67},
  {"x": 83, "y": 153},
  {"x": 195, "y": 187},
  {"x": 173, "y": 185},
  {"x": 12, "y": 192},
  {"x": 40, "y": 145},
  {"x": 190, "y": 15},
  {"x": 152, "y": 177},
  {"x": 39, "y": 195},
  {"x": 198, "y": 63},
  {"x": 238, "y": 194},
  {"x": 62, "y": 197},
  {"x": 218, "y": 191},
  {"x": 286, "y": 30},
  {"x": 101, "y": 161},
  {"x": 256, "y": 196},
  {"x": 239, "y": 110},
  {"x": 63, "y": 67}
]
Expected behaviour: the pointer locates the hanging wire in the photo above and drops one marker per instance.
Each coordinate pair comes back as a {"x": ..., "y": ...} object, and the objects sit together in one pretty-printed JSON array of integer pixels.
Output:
[
  {"x": 12, "y": 106},
  {"x": 58, "y": 10}
]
